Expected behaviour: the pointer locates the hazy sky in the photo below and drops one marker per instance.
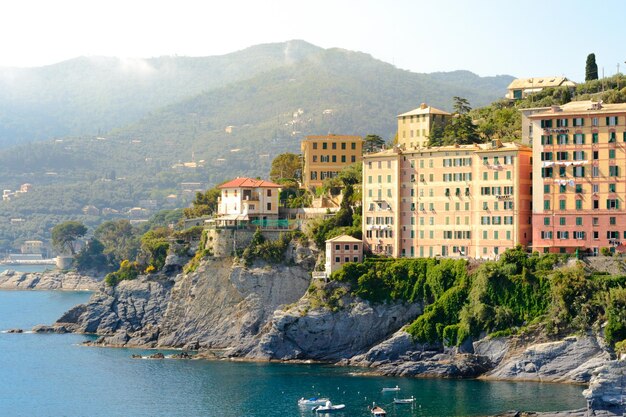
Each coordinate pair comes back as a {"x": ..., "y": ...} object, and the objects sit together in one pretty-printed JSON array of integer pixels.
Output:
[{"x": 489, "y": 37}]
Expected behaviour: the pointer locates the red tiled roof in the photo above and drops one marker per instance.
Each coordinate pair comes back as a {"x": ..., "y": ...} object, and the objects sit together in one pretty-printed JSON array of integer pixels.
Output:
[{"x": 248, "y": 183}]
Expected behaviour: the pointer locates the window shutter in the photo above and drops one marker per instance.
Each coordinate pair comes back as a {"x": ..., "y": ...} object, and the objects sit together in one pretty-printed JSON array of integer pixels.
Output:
[
  {"x": 583, "y": 137},
  {"x": 607, "y": 121}
]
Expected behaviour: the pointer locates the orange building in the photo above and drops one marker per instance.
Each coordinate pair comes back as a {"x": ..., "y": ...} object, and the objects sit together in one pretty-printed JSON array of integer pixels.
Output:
[
  {"x": 578, "y": 177},
  {"x": 324, "y": 156},
  {"x": 467, "y": 200}
]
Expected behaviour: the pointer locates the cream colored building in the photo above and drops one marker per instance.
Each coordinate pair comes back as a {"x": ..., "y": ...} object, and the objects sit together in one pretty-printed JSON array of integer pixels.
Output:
[
  {"x": 467, "y": 200},
  {"x": 381, "y": 197},
  {"x": 249, "y": 199},
  {"x": 522, "y": 87},
  {"x": 325, "y": 156},
  {"x": 414, "y": 127},
  {"x": 341, "y": 250}
]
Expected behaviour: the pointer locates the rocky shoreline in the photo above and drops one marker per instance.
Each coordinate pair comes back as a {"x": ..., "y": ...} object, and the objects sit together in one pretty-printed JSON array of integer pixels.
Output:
[{"x": 49, "y": 281}]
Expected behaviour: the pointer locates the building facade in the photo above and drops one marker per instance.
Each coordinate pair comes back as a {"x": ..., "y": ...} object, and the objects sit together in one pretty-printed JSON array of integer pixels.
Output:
[
  {"x": 520, "y": 88},
  {"x": 324, "y": 156},
  {"x": 578, "y": 178},
  {"x": 414, "y": 127},
  {"x": 341, "y": 250},
  {"x": 467, "y": 200},
  {"x": 249, "y": 199}
]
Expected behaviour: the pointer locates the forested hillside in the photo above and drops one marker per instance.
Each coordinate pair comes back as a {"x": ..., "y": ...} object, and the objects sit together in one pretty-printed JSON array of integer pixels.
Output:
[{"x": 232, "y": 130}]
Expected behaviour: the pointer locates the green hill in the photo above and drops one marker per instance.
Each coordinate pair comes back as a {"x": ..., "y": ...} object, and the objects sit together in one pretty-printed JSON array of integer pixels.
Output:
[{"x": 235, "y": 129}]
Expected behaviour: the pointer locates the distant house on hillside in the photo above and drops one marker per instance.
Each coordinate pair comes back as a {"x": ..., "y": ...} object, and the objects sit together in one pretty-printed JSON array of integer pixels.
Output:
[{"x": 522, "y": 87}]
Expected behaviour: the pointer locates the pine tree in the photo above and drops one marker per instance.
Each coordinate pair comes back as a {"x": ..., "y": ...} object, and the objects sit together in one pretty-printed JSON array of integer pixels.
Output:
[{"x": 591, "y": 68}]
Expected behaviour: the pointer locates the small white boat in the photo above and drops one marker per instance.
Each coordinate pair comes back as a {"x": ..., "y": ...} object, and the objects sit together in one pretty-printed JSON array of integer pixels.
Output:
[
  {"x": 379, "y": 412},
  {"x": 328, "y": 408},
  {"x": 404, "y": 400},
  {"x": 312, "y": 401},
  {"x": 390, "y": 389}
]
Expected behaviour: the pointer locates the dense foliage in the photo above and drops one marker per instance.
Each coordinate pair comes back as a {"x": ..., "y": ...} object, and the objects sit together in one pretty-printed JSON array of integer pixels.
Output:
[
  {"x": 496, "y": 298},
  {"x": 271, "y": 251},
  {"x": 65, "y": 235}
]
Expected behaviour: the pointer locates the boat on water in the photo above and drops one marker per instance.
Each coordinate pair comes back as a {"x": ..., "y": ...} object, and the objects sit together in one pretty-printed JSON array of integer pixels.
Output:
[
  {"x": 304, "y": 402},
  {"x": 328, "y": 408},
  {"x": 404, "y": 400},
  {"x": 390, "y": 389},
  {"x": 377, "y": 411}
]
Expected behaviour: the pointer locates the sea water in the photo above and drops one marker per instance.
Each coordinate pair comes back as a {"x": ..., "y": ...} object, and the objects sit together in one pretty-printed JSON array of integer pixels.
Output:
[{"x": 53, "y": 375}]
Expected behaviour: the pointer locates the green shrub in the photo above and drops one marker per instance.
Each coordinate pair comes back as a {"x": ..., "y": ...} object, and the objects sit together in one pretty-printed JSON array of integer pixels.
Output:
[{"x": 128, "y": 271}]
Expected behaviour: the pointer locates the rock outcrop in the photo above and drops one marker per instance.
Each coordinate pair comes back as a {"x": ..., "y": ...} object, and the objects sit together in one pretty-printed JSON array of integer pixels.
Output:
[
  {"x": 572, "y": 359},
  {"x": 326, "y": 335},
  {"x": 402, "y": 356},
  {"x": 222, "y": 305},
  {"x": 129, "y": 313},
  {"x": 50, "y": 280},
  {"x": 607, "y": 388}
]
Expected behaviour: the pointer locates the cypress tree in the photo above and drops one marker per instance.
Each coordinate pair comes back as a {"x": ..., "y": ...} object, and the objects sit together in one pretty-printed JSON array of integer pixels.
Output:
[{"x": 591, "y": 68}]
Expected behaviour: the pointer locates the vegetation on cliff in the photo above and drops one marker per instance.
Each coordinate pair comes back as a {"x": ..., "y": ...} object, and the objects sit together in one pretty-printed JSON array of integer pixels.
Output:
[{"x": 496, "y": 297}]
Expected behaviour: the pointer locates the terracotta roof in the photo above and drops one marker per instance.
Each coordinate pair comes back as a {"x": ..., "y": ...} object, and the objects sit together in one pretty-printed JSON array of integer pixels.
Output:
[
  {"x": 344, "y": 238},
  {"x": 244, "y": 182},
  {"x": 540, "y": 82},
  {"x": 333, "y": 137}
]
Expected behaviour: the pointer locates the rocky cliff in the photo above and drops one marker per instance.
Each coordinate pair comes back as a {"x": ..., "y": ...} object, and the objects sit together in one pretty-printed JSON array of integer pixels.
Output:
[
  {"x": 220, "y": 305},
  {"x": 329, "y": 334},
  {"x": 50, "y": 280}
]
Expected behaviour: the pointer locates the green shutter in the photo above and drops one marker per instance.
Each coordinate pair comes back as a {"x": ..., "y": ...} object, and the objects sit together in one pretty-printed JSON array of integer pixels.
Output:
[
  {"x": 607, "y": 121},
  {"x": 583, "y": 137}
]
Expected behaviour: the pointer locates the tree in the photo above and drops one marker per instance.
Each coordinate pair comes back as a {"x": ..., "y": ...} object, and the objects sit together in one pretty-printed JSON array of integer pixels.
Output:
[
  {"x": 120, "y": 240},
  {"x": 373, "y": 143},
  {"x": 591, "y": 68},
  {"x": 64, "y": 236},
  {"x": 204, "y": 204},
  {"x": 461, "y": 105},
  {"x": 286, "y": 165}
]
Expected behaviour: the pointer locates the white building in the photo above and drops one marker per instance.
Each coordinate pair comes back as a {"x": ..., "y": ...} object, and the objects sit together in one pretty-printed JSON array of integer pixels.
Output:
[{"x": 248, "y": 199}]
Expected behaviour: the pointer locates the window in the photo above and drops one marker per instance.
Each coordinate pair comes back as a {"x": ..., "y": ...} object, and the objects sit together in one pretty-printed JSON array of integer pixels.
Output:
[
  {"x": 356, "y": 258},
  {"x": 343, "y": 158},
  {"x": 562, "y": 204},
  {"x": 595, "y": 155},
  {"x": 579, "y": 221},
  {"x": 611, "y": 153},
  {"x": 546, "y": 221},
  {"x": 595, "y": 221},
  {"x": 612, "y": 221},
  {"x": 613, "y": 171},
  {"x": 594, "y": 121},
  {"x": 594, "y": 138},
  {"x": 562, "y": 221},
  {"x": 562, "y": 235},
  {"x": 546, "y": 204},
  {"x": 546, "y": 189},
  {"x": 337, "y": 259},
  {"x": 612, "y": 121},
  {"x": 546, "y": 139},
  {"x": 546, "y": 123},
  {"x": 579, "y": 188},
  {"x": 269, "y": 206},
  {"x": 578, "y": 121},
  {"x": 612, "y": 137},
  {"x": 612, "y": 188},
  {"x": 324, "y": 145},
  {"x": 346, "y": 247},
  {"x": 579, "y": 205},
  {"x": 314, "y": 145},
  {"x": 269, "y": 193},
  {"x": 353, "y": 158},
  {"x": 353, "y": 146},
  {"x": 562, "y": 139},
  {"x": 561, "y": 122},
  {"x": 334, "y": 145},
  {"x": 334, "y": 157},
  {"x": 337, "y": 247},
  {"x": 343, "y": 145},
  {"x": 612, "y": 204},
  {"x": 579, "y": 171},
  {"x": 346, "y": 259}
]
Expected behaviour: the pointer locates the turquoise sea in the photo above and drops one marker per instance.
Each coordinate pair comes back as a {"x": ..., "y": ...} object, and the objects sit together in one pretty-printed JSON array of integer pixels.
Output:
[{"x": 52, "y": 375}]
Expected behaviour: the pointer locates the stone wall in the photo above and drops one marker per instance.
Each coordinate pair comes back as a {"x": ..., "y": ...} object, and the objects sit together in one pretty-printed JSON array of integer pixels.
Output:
[{"x": 224, "y": 242}]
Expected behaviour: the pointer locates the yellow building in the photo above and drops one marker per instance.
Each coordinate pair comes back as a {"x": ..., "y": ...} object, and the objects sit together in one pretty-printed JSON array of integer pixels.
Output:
[
  {"x": 414, "y": 127},
  {"x": 467, "y": 200},
  {"x": 578, "y": 178},
  {"x": 324, "y": 156}
]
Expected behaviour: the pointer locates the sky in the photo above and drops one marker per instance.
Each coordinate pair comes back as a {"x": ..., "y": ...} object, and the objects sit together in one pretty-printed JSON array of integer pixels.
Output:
[{"x": 488, "y": 37}]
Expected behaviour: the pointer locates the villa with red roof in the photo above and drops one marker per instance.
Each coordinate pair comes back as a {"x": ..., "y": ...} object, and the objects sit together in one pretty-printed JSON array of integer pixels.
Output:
[{"x": 248, "y": 199}]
